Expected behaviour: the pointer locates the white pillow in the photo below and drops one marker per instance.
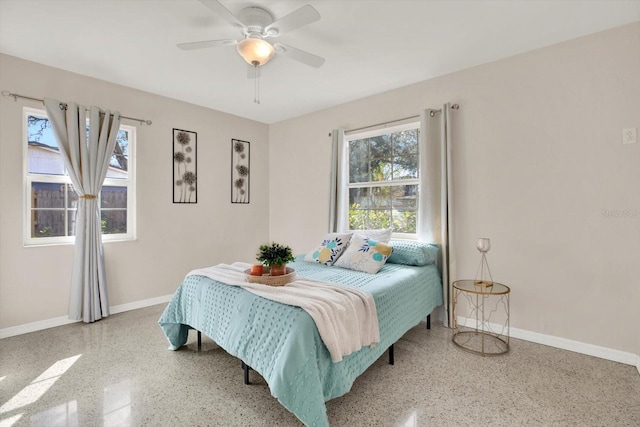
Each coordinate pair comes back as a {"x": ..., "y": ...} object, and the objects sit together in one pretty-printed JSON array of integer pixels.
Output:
[
  {"x": 379, "y": 234},
  {"x": 330, "y": 249},
  {"x": 364, "y": 254}
]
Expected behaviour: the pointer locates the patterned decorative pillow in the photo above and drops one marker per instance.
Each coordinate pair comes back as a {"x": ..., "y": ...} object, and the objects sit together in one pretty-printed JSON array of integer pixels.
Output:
[
  {"x": 330, "y": 249},
  {"x": 378, "y": 234},
  {"x": 413, "y": 253},
  {"x": 364, "y": 254}
]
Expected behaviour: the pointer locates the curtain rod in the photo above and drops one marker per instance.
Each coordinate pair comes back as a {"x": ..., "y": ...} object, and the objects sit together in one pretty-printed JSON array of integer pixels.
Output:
[
  {"x": 15, "y": 96},
  {"x": 384, "y": 124}
]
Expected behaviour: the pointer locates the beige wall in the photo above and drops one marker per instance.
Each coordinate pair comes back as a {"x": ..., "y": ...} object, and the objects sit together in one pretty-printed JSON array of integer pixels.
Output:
[
  {"x": 172, "y": 238},
  {"x": 538, "y": 159}
]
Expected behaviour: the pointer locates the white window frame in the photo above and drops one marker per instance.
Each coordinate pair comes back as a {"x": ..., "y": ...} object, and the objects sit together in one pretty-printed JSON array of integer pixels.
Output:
[
  {"x": 29, "y": 178},
  {"x": 411, "y": 181}
]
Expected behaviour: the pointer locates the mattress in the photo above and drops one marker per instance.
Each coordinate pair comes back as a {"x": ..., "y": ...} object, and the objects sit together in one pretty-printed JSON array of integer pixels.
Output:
[{"x": 282, "y": 343}]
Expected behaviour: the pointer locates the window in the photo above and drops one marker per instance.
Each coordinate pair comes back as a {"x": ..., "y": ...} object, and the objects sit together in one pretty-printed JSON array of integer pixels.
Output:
[
  {"x": 50, "y": 200},
  {"x": 383, "y": 178}
]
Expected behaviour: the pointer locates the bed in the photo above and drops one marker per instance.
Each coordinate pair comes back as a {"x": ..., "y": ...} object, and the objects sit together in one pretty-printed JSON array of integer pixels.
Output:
[{"x": 281, "y": 342}]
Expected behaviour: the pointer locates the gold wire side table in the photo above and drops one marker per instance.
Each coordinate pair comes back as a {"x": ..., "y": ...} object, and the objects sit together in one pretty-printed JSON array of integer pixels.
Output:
[{"x": 486, "y": 300}]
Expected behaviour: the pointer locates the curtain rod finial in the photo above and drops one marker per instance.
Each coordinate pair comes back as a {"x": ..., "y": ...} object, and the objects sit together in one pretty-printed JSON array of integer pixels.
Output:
[{"x": 7, "y": 94}]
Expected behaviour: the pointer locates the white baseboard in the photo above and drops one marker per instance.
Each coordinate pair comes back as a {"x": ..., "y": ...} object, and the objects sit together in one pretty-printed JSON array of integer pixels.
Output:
[
  {"x": 64, "y": 320},
  {"x": 565, "y": 344},
  {"x": 35, "y": 326},
  {"x": 140, "y": 304}
]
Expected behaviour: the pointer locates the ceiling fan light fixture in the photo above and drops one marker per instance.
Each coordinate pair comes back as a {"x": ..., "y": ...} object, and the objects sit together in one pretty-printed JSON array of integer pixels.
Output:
[{"x": 255, "y": 51}]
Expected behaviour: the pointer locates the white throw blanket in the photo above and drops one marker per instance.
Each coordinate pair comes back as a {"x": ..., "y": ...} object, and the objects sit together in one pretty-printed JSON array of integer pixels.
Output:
[{"x": 346, "y": 317}]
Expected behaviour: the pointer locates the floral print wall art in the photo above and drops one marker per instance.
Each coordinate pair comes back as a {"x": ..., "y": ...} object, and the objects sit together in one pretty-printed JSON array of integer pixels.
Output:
[
  {"x": 239, "y": 171},
  {"x": 185, "y": 166}
]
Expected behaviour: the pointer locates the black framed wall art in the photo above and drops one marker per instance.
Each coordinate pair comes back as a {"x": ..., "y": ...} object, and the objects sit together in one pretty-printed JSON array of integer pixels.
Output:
[
  {"x": 185, "y": 166},
  {"x": 240, "y": 171}
]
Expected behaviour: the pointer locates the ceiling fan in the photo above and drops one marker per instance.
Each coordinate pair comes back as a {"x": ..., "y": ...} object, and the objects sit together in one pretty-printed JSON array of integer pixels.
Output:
[{"x": 257, "y": 27}]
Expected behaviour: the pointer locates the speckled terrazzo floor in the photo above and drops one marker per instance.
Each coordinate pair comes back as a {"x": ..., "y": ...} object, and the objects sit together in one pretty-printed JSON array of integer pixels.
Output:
[{"x": 118, "y": 372}]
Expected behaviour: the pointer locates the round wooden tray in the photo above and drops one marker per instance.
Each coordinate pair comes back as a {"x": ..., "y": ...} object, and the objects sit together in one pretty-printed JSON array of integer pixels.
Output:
[{"x": 268, "y": 279}]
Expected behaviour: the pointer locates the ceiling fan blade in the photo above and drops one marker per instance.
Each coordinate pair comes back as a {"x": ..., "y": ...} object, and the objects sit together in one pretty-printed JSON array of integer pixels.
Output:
[
  {"x": 216, "y": 7},
  {"x": 299, "y": 55},
  {"x": 296, "y": 19},
  {"x": 206, "y": 43}
]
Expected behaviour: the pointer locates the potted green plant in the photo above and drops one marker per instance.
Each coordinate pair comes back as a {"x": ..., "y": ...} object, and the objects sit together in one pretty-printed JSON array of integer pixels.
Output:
[{"x": 275, "y": 256}]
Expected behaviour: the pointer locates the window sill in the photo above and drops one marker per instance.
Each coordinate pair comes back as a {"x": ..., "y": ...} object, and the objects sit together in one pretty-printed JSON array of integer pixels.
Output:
[{"x": 41, "y": 244}]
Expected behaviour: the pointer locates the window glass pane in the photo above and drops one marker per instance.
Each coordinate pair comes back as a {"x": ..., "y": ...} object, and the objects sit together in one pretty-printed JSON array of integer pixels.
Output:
[
  {"x": 405, "y": 203},
  {"x": 379, "y": 218},
  {"x": 381, "y": 170},
  {"x": 361, "y": 219},
  {"x": 358, "y": 219},
  {"x": 71, "y": 222},
  {"x": 404, "y": 196},
  {"x": 359, "y": 198},
  {"x": 45, "y": 158},
  {"x": 119, "y": 164},
  {"x": 360, "y": 202},
  {"x": 72, "y": 197},
  {"x": 47, "y": 195},
  {"x": 405, "y": 167},
  {"x": 113, "y": 203},
  {"x": 369, "y": 208},
  {"x": 404, "y": 221},
  {"x": 358, "y": 161},
  {"x": 47, "y": 223},
  {"x": 405, "y": 142},
  {"x": 113, "y": 197},
  {"x": 380, "y": 146},
  {"x": 114, "y": 221},
  {"x": 381, "y": 197},
  {"x": 42, "y": 151}
]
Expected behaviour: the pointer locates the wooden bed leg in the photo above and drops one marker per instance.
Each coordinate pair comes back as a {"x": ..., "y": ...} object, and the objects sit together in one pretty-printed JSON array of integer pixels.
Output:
[
  {"x": 428, "y": 321},
  {"x": 246, "y": 368},
  {"x": 391, "y": 358},
  {"x": 199, "y": 340}
]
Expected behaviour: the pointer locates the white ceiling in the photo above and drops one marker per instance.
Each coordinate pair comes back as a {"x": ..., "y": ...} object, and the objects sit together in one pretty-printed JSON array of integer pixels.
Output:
[{"x": 369, "y": 46}]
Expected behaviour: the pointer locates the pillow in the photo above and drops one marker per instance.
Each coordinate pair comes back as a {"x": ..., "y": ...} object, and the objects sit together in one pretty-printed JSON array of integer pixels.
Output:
[
  {"x": 382, "y": 235},
  {"x": 364, "y": 254},
  {"x": 413, "y": 253},
  {"x": 330, "y": 249}
]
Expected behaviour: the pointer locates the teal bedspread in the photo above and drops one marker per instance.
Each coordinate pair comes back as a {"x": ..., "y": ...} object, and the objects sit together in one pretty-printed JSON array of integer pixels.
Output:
[{"x": 282, "y": 343}]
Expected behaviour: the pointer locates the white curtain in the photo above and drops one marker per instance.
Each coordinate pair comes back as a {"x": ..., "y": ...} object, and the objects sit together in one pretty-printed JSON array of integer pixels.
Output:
[
  {"x": 436, "y": 195},
  {"x": 339, "y": 196},
  {"x": 87, "y": 162}
]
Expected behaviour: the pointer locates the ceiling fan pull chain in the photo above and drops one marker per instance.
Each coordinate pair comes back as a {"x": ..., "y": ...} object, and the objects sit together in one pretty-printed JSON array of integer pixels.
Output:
[{"x": 256, "y": 69}]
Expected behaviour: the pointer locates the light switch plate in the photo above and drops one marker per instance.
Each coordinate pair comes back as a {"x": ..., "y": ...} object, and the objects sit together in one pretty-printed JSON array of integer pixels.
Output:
[{"x": 629, "y": 136}]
